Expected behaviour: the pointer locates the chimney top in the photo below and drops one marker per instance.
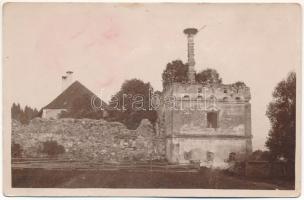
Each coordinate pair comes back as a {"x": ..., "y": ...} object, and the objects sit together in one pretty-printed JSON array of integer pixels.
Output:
[
  {"x": 69, "y": 72},
  {"x": 190, "y": 31}
]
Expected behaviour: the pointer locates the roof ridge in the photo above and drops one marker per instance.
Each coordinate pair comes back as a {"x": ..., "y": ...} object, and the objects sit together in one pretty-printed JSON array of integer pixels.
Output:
[{"x": 66, "y": 98}]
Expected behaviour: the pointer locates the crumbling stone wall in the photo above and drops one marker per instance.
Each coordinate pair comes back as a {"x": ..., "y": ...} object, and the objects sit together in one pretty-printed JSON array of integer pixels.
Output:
[{"x": 85, "y": 139}]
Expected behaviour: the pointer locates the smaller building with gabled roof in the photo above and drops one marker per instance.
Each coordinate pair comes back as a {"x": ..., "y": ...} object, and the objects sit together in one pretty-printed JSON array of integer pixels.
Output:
[{"x": 74, "y": 94}]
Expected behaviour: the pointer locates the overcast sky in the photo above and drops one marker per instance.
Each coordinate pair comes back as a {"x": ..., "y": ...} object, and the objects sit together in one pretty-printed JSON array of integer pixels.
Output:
[{"x": 105, "y": 44}]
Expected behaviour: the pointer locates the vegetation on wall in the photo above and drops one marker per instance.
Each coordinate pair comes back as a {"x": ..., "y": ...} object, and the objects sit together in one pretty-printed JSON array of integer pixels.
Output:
[
  {"x": 208, "y": 76},
  {"x": 238, "y": 85},
  {"x": 176, "y": 71}
]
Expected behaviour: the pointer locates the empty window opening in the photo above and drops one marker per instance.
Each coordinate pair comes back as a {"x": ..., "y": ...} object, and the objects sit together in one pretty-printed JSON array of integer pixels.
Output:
[
  {"x": 232, "y": 157},
  {"x": 199, "y": 97},
  {"x": 212, "y": 120},
  {"x": 200, "y": 90},
  {"x": 186, "y": 97},
  {"x": 225, "y": 91},
  {"x": 238, "y": 98}
]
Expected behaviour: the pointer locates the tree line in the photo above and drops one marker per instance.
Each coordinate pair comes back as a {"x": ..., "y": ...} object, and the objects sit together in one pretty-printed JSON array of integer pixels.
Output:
[{"x": 25, "y": 115}]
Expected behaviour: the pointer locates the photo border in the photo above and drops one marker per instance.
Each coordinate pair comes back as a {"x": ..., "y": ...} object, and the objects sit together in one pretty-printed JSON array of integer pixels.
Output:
[{"x": 6, "y": 139}]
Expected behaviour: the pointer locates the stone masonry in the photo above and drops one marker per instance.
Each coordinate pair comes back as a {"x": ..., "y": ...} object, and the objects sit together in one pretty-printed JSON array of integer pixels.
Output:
[
  {"x": 203, "y": 123},
  {"x": 86, "y": 139}
]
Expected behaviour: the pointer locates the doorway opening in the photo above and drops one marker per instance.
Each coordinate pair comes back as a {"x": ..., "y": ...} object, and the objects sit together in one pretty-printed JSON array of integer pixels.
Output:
[{"x": 212, "y": 119}]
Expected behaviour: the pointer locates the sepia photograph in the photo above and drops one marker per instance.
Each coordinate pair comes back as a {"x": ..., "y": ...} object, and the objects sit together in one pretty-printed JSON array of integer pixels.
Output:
[{"x": 195, "y": 99}]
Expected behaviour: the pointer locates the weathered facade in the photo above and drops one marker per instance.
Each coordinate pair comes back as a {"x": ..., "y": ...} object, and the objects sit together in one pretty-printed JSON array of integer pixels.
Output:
[{"x": 205, "y": 123}]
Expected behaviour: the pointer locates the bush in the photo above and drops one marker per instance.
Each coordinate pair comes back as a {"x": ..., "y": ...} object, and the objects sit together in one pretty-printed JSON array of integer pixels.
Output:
[
  {"x": 52, "y": 148},
  {"x": 260, "y": 155},
  {"x": 16, "y": 150}
]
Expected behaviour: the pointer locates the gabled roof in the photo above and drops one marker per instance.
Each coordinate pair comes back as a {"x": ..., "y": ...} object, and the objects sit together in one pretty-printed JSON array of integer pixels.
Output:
[{"x": 66, "y": 99}]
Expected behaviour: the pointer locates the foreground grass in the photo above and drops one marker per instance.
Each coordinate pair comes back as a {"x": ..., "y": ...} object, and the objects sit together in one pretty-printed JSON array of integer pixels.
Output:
[{"x": 205, "y": 178}]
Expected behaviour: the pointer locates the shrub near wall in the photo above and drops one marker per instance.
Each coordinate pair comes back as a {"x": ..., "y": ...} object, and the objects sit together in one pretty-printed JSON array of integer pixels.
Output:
[
  {"x": 52, "y": 148},
  {"x": 86, "y": 139}
]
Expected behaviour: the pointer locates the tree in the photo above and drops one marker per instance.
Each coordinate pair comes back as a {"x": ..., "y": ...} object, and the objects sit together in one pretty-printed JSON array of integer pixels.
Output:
[
  {"x": 132, "y": 104},
  {"x": 23, "y": 116},
  {"x": 16, "y": 111},
  {"x": 282, "y": 115},
  {"x": 208, "y": 76},
  {"x": 176, "y": 71}
]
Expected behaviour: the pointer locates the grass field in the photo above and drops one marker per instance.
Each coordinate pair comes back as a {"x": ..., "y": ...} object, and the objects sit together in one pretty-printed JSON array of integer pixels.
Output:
[{"x": 204, "y": 178}]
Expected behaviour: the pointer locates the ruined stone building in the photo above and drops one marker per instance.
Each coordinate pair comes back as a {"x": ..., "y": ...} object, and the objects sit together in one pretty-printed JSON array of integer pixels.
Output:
[{"x": 204, "y": 123}]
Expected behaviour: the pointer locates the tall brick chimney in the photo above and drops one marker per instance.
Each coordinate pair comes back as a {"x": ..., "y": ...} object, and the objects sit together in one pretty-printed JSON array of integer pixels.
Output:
[{"x": 190, "y": 32}]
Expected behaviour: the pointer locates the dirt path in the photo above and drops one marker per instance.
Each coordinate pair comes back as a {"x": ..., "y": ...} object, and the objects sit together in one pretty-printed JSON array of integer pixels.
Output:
[{"x": 205, "y": 180}]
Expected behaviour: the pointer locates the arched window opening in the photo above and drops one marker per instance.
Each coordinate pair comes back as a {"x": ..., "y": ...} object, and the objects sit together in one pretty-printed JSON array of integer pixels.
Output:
[
  {"x": 199, "y": 97},
  {"x": 186, "y": 97}
]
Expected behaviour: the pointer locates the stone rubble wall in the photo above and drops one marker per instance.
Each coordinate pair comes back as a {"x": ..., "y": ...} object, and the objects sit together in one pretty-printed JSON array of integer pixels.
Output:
[{"x": 86, "y": 139}]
